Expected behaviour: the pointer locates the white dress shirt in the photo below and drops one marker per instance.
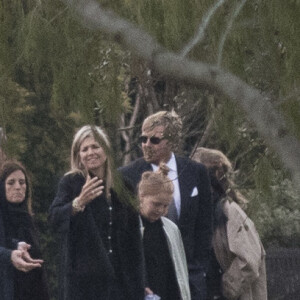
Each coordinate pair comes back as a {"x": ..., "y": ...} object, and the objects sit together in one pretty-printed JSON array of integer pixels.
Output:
[{"x": 173, "y": 175}]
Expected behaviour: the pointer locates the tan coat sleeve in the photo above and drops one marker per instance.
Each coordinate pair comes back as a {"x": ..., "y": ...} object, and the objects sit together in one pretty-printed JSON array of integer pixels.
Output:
[{"x": 244, "y": 243}]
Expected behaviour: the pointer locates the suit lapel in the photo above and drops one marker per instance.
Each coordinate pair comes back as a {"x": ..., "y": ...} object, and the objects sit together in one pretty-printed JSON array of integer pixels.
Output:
[
  {"x": 146, "y": 166},
  {"x": 184, "y": 178}
]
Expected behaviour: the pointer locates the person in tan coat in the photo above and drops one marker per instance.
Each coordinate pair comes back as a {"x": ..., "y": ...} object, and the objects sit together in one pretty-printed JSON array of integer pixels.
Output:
[{"x": 236, "y": 243}]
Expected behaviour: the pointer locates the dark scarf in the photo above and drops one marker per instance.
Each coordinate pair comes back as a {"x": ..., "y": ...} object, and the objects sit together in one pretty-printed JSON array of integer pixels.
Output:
[{"x": 18, "y": 226}]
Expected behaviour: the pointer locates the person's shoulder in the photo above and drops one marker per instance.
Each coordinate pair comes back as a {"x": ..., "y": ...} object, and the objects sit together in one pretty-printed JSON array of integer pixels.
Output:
[
  {"x": 234, "y": 208},
  {"x": 239, "y": 226},
  {"x": 134, "y": 166},
  {"x": 134, "y": 163},
  {"x": 170, "y": 224},
  {"x": 71, "y": 177},
  {"x": 192, "y": 164},
  {"x": 235, "y": 213}
]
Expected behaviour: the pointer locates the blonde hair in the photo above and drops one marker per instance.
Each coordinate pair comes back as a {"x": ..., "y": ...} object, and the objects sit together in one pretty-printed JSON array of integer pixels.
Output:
[
  {"x": 172, "y": 125},
  {"x": 216, "y": 160},
  {"x": 100, "y": 136},
  {"x": 154, "y": 183}
]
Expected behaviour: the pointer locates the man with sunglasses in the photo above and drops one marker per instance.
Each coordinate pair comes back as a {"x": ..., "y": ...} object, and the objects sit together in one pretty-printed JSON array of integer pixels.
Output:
[{"x": 191, "y": 209}]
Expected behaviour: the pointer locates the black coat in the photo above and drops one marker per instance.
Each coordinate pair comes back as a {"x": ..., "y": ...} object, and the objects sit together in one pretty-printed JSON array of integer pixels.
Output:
[
  {"x": 13, "y": 283},
  {"x": 86, "y": 270},
  {"x": 6, "y": 269},
  {"x": 195, "y": 220}
]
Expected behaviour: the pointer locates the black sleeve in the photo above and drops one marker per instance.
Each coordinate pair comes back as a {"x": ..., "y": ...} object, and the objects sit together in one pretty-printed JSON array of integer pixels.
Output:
[{"x": 61, "y": 208}]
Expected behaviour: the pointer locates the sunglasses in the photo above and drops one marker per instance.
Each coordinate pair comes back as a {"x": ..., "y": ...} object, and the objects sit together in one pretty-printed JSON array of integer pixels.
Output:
[{"x": 153, "y": 139}]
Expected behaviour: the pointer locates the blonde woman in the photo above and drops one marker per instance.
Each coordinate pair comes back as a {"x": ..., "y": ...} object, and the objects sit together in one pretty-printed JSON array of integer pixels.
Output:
[{"x": 101, "y": 251}]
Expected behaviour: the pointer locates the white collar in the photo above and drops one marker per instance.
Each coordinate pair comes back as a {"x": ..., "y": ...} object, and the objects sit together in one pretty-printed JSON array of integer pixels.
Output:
[{"x": 171, "y": 164}]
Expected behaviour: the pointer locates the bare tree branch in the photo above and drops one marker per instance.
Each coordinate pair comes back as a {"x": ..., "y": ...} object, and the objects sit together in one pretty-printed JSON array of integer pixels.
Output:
[
  {"x": 136, "y": 108},
  {"x": 124, "y": 32},
  {"x": 201, "y": 140},
  {"x": 128, "y": 136},
  {"x": 201, "y": 29},
  {"x": 259, "y": 109},
  {"x": 123, "y": 127},
  {"x": 227, "y": 30},
  {"x": 58, "y": 14}
]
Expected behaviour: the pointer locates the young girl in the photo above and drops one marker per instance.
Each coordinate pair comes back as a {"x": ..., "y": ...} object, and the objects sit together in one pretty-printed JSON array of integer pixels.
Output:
[{"x": 166, "y": 267}]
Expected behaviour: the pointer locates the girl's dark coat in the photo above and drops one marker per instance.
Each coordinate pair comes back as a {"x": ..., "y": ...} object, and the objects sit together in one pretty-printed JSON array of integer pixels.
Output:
[{"x": 86, "y": 271}]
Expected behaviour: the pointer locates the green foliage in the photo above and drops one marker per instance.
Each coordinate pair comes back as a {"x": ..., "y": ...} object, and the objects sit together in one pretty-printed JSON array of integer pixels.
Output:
[{"x": 277, "y": 215}]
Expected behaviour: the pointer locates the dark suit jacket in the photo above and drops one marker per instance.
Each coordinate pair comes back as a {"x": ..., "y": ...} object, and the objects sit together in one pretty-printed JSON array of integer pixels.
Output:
[{"x": 195, "y": 220}]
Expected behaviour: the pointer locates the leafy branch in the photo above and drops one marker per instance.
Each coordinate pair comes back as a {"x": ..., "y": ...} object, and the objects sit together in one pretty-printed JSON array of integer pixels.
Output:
[{"x": 258, "y": 108}]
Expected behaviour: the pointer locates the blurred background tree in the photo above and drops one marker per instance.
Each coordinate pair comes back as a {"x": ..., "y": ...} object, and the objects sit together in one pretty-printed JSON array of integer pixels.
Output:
[{"x": 57, "y": 75}]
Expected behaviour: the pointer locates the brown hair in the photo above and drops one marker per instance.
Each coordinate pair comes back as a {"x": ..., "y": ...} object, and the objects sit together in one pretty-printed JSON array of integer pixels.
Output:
[
  {"x": 8, "y": 168},
  {"x": 216, "y": 160}
]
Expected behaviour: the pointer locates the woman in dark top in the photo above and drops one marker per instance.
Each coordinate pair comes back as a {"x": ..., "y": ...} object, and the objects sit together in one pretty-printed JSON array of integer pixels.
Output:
[
  {"x": 101, "y": 243},
  {"x": 21, "y": 275}
]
